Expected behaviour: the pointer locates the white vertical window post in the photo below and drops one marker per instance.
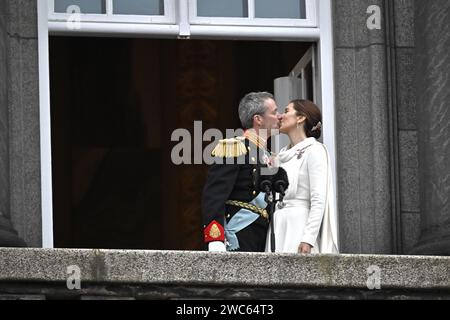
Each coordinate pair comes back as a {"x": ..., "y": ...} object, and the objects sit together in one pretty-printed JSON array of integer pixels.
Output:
[
  {"x": 45, "y": 128},
  {"x": 326, "y": 55},
  {"x": 311, "y": 7},
  {"x": 251, "y": 9},
  {"x": 183, "y": 19},
  {"x": 109, "y": 7}
]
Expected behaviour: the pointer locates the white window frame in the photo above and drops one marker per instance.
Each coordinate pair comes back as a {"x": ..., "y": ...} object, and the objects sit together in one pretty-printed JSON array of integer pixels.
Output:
[
  {"x": 322, "y": 35},
  {"x": 45, "y": 126},
  {"x": 326, "y": 96},
  {"x": 109, "y": 16},
  {"x": 309, "y": 22}
]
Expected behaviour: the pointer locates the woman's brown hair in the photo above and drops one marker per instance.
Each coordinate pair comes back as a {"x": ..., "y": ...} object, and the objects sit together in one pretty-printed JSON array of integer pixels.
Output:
[{"x": 313, "y": 122}]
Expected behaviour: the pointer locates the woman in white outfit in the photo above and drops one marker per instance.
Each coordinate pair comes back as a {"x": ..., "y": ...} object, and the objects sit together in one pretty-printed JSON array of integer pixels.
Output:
[{"x": 307, "y": 222}]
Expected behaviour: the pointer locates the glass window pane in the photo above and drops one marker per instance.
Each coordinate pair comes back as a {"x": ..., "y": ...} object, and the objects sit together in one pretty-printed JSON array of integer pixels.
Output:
[
  {"x": 140, "y": 7},
  {"x": 222, "y": 8},
  {"x": 292, "y": 9},
  {"x": 86, "y": 6}
]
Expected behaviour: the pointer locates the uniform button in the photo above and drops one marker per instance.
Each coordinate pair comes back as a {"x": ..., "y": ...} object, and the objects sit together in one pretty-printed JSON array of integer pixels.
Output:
[
  {"x": 249, "y": 149},
  {"x": 253, "y": 159},
  {"x": 254, "y": 192},
  {"x": 228, "y": 216},
  {"x": 254, "y": 170}
]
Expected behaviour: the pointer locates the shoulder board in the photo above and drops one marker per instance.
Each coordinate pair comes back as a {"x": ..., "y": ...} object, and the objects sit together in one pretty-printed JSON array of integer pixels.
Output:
[{"x": 233, "y": 147}]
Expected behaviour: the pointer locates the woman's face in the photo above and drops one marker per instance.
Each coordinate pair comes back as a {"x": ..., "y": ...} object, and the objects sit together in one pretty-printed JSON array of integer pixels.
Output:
[{"x": 289, "y": 119}]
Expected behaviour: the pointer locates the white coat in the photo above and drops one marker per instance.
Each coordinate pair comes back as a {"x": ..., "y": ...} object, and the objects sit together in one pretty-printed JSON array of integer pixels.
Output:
[{"x": 309, "y": 213}]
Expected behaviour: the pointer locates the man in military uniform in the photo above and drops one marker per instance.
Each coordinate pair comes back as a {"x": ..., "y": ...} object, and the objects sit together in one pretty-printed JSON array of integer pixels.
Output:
[{"x": 234, "y": 212}]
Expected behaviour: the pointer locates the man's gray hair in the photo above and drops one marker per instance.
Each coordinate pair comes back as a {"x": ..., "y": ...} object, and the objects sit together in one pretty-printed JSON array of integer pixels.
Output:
[{"x": 251, "y": 105}]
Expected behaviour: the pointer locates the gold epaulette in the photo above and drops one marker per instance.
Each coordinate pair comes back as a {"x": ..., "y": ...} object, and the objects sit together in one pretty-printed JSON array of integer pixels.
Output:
[{"x": 233, "y": 147}]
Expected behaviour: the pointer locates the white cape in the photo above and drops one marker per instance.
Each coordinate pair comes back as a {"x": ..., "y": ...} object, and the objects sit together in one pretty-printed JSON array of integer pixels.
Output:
[
  {"x": 328, "y": 242},
  {"x": 327, "y": 239}
]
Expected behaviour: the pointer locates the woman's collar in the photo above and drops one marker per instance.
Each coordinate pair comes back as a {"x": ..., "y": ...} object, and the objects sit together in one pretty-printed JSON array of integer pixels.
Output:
[
  {"x": 304, "y": 143},
  {"x": 286, "y": 154}
]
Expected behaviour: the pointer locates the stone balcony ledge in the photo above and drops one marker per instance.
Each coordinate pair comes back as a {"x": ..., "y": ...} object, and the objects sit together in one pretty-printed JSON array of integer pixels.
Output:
[{"x": 224, "y": 270}]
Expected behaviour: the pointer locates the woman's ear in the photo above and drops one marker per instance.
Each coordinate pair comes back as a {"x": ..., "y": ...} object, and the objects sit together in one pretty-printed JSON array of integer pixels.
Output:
[{"x": 300, "y": 119}]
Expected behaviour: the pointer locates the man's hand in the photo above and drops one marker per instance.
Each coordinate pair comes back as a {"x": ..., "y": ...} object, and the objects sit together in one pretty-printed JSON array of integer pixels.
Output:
[
  {"x": 216, "y": 246},
  {"x": 304, "y": 247}
]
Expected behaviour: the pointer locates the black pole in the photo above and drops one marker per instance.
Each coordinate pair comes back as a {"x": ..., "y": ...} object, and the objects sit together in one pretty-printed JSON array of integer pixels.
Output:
[{"x": 271, "y": 214}]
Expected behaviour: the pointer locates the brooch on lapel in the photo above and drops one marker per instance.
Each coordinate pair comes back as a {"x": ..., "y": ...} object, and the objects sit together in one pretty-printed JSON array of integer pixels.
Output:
[{"x": 302, "y": 151}]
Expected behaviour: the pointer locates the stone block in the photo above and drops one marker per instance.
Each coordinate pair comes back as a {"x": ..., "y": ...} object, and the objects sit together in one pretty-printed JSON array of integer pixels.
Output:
[
  {"x": 362, "y": 150},
  {"x": 31, "y": 221},
  {"x": 409, "y": 190},
  {"x": 407, "y": 141},
  {"x": 106, "y": 298},
  {"x": 406, "y": 89},
  {"x": 3, "y": 19},
  {"x": 4, "y": 159},
  {"x": 3, "y": 51},
  {"x": 4, "y": 169},
  {"x": 15, "y": 131},
  {"x": 128, "y": 268},
  {"x": 23, "y": 93},
  {"x": 410, "y": 230},
  {"x": 350, "y": 24},
  {"x": 347, "y": 152},
  {"x": 23, "y": 18},
  {"x": 404, "y": 23},
  {"x": 3, "y": 14},
  {"x": 22, "y": 297}
]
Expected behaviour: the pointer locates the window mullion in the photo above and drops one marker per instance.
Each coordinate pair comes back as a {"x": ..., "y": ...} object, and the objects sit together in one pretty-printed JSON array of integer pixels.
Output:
[
  {"x": 109, "y": 7},
  {"x": 251, "y": 9},
  {"x": 311, "y": 9},
  {"x": 51, "y": 6},
  {"x": 183, "y": 19}
]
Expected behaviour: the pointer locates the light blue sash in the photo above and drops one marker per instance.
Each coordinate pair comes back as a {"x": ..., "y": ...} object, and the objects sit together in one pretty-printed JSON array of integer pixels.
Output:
[{"x": 240, "y": 220}]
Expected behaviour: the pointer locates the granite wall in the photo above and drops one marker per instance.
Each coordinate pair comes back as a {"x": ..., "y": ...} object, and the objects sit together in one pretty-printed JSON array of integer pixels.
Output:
[
  {"x": 406, "y": 123},
  {"x": 433, "y": 96},
  {"x": 375, "y": 126},
  {"x": 4, "y": 161},
  {"x": 19, "y": 119}
]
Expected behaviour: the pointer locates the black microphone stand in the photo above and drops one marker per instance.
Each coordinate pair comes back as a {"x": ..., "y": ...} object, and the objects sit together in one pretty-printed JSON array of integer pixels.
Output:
[
  {"x": 266, "y": 186},
  {"x": 271, "y": 185},
  {"x": 271, "y": 206},
  {"x": 271, "y": 214},
  {"x": 279, "y": 185}
]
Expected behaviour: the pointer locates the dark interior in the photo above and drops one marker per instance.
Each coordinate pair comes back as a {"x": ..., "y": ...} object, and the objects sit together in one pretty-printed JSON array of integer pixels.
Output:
[{"x": 114, "y": 105}]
